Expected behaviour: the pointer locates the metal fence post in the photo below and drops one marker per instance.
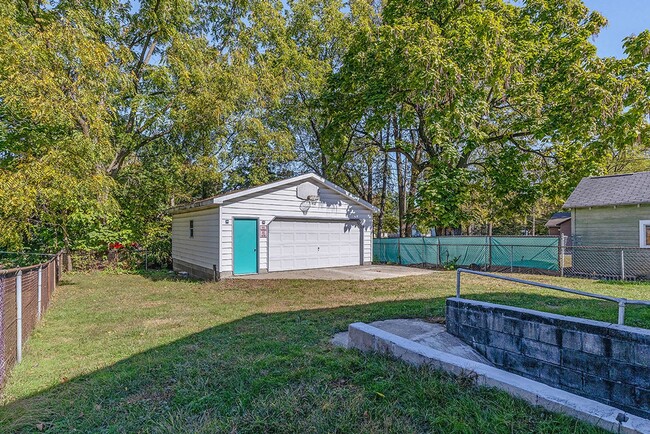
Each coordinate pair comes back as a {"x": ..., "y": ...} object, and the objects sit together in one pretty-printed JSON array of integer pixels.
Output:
[
  {"x": 621, "y": 312},
  {"x": 399, "y": 251},
  {"x": 19, "y": 316},
  {"x": 622, "y": 264},
  {"x": 489, "y": 264},
  {"x": 562, "y": 242},
  {"x": 40, "y": 291},
  {"x": 458, "y": 283},
  {"x": 439, "y": 256},
  {"x": 512, "y": 253},
  {"x": 424, "y": 252}
]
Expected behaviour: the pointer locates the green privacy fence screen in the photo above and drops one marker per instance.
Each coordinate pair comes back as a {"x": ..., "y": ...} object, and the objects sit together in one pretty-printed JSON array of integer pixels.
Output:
[{"x": 514, "y": 253}]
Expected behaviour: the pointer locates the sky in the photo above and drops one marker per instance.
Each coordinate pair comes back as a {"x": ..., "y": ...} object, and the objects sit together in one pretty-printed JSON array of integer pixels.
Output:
[{"x": 625, "y": 17}]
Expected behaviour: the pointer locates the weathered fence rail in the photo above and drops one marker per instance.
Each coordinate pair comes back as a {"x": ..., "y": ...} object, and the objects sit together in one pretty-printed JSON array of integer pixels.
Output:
[{"x": 25, "y": 294}]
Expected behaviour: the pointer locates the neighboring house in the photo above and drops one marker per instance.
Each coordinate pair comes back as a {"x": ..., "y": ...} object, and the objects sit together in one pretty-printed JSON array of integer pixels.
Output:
[
  {"x": 614, "y": 212},
  {"x": 298, "y": 223},
  {"x": 560, "y": 225}
]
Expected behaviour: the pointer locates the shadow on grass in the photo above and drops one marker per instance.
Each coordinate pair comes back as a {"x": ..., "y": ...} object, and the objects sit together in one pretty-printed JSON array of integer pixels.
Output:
[
  {"x": 158, "y": 275},
  {"x": 278, "y": 373},
  {"x": 66, "y": 282}
]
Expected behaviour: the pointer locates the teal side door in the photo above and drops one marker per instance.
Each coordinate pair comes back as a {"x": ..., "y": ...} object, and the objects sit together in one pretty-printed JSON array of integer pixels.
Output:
[{"x": 245, "y": 246}]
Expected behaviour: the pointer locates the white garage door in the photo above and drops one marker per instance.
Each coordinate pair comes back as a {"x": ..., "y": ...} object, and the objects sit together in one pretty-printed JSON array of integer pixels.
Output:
[{"x": 301, "y": 244}]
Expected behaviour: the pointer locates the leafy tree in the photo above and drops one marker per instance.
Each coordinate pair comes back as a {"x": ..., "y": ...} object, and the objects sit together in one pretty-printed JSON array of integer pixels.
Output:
[
  {"x": 111, "y": 113},
  {"x": 448, "y": 114},
  {"x": 469, "y": 80}
]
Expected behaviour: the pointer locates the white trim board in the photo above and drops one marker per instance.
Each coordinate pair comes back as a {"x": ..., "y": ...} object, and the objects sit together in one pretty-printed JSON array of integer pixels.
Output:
[{"x": 642, "y": 238}]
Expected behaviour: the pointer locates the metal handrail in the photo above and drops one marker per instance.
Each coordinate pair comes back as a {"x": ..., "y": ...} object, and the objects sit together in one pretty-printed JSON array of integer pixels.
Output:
[{"x": 622, "y": 302}]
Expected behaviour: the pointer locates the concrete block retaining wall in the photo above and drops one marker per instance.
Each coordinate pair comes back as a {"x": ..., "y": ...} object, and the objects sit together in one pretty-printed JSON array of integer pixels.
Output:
[{"x": 605, "y": 362}]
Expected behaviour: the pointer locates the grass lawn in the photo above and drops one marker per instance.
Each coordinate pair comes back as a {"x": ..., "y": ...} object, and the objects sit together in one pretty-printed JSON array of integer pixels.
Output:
[{"x": 140, "y": 353}]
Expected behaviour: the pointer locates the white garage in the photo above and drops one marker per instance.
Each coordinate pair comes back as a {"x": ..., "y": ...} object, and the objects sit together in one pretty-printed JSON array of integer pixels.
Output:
[{"x": 299, "y": 223}]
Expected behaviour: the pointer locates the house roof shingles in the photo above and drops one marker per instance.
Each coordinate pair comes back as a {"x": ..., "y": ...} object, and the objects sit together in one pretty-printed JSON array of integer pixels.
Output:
[
  {"x": 627, "y": 189},
  {"x": 558, "y": 218}
]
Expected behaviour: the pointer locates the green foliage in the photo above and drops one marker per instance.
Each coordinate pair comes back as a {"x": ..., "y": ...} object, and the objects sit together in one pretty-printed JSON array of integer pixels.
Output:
[
  {"x": 110, "y": 113},
  {"x": 452, "y": 264},
  {"x": 514, "y": 94},
  {"x": 441, "y": 195}
]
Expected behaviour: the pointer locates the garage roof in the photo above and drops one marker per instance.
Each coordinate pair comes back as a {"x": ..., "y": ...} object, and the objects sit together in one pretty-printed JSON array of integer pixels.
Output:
[
  {"x": 626, "y": 189},
  {"x": 558, "y": 218},
  {"x": 240, "y": 194}
]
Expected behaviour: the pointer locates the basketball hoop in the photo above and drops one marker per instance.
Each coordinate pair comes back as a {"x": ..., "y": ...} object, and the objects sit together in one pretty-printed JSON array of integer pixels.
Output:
[
  {"x": 306, "y": 204},
  {"x": 308, "y": 192}
]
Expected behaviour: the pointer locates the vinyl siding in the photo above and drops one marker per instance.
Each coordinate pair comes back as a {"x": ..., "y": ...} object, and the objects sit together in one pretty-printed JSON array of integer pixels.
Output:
[
  {"x": 283, "y": 203},
  {"x": 609, "y": 226},
  {"x": 203, "y": 248},
  {"x": 610, "y": 230}
]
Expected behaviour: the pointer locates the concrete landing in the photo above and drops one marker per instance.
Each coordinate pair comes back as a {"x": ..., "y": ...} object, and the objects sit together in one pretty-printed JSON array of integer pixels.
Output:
[
  {"x": 430, "y": 334},
  {"x": 355, "y": 272}
]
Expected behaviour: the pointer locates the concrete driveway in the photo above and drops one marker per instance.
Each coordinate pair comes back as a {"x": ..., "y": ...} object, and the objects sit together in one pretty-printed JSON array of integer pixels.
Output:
[{"x": 358, "y": 272}]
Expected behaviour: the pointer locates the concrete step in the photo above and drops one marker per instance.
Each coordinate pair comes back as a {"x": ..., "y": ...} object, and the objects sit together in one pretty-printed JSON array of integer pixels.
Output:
[
  {"x": 432, "y": 335},
  {"x": 424, "y": 344}
]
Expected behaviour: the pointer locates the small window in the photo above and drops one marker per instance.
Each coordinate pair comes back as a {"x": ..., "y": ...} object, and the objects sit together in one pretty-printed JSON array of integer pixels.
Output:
[
  {"x": 644, "y": 234},
  {"x": 191, "y": 228}
]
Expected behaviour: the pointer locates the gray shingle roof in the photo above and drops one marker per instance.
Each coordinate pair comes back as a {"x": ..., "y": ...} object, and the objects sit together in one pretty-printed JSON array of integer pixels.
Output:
[
  {"x": 627, "y": 189},
  {"x": 558, "y": 218}
]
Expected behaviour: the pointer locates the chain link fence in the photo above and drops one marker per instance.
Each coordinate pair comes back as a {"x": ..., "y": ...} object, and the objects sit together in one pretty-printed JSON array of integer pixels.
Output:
[
  {"x": 123, "y": 259},
  {"x": 25, "y": 294},
  {"x": 606, "y": 263},
  {"x": 535, "y": 255},
  {"x": 21, "y": 259},
  {"x": 507, "y": 254}
]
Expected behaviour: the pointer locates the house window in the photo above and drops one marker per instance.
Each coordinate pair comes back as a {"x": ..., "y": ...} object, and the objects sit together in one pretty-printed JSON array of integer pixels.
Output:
[
  {"x": 644, "y": 234},
  {"x": 191, "y": 228}
]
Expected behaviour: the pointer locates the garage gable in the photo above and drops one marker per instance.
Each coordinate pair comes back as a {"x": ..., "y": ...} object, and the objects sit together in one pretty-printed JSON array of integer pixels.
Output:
[
  {"x": 308, "y": 186},
  {"x": 300, "y": 182}
]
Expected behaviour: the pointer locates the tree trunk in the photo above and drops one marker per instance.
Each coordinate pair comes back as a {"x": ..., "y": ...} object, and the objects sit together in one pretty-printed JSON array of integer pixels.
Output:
[
  {"x": 534, "y": 221},
  {"x": 412, "y": 192},
  {"x": 369, "y": 195},
  {"x": 384, "y": 186},
  {"x": 68, "y": 260},
  {"x": 68, "y": 251},
  {"x": 400, "y": 181},
  {"x": 413, "y": 184}
]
